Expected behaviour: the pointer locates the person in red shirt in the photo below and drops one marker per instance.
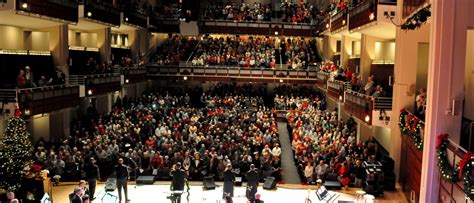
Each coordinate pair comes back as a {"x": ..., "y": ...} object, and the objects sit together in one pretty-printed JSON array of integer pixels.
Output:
[{"x": 150, "y": 142}]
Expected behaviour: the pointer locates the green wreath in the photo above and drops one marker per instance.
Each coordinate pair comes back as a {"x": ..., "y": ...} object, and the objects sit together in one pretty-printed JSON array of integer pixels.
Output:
[{"x": 411, "y": 126}]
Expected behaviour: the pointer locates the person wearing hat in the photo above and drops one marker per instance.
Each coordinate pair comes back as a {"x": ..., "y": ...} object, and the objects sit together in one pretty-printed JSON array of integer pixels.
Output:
[
  {"x": 92, "y": 174},
  {"x": 252, "y": 183},
  {"x": 121, "y": 172},
  {"x": 229, "y": 179}
]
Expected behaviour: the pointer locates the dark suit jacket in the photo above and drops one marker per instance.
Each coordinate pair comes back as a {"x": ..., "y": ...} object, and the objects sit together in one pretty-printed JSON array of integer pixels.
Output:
[
  {"x": 252, "y": 178},
  {"x": 76, "y": 199},
  {"x": 178, "y": 179}
]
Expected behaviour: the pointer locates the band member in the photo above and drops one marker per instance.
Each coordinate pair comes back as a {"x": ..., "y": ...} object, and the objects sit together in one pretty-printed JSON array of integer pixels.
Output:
[
  {"x": 122, "y": 177},
  {"x": 229, "y": 179},
  {"x": 178, "y": 181},
  {"x": 252, "y": 183}
]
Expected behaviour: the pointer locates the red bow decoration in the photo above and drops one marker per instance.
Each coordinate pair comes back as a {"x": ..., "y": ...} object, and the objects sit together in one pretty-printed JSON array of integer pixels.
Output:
[
  {"x": 415, "y": 121},
  {"x": 36, "y": 167},
  {"x": 441, "y": 139},
  {"x": 403, "y": 110},
  {"x": 467, "y": 157},
  {"x": 17, "y": 112}
]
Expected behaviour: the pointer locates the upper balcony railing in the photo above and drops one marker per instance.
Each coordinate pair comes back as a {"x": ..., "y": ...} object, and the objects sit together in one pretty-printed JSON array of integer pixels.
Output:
[
  {"x": 46, "y": 99},
  {"x": 165, "y": 25},
  {"x": 322, "y": 79},
  {"x": 53, "y": 9},
  {"x": 336, "y": 89},
  {"x": 362, "y": 14},
  {"x": 257, "y": 28},
  {"x": 133, "y": 74},
  {"x": 409, "y": 6},
  {"x": 101, "y": 12},
  {"x": 97, "y": 83},
  {"x": 362, "y": 106},
  {"x": 135, "y": 18},
  {"x": 219, "y": 73},
  {"x": 339, "y": 21}
]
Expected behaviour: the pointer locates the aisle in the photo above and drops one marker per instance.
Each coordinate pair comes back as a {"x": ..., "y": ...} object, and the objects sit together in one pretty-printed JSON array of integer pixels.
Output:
[{"x": 287, "y": 160}]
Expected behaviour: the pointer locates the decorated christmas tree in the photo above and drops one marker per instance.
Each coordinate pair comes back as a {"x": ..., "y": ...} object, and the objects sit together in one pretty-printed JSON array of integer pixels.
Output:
[{"x": 15, "y": 153}]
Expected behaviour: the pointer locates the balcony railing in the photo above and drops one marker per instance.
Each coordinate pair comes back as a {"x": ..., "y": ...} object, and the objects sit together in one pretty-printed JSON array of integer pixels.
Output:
[
  {"x": 409, "y": 6},
  {"x": 135, "y": 18},
  {"x": 133, "y": 74},
  {"x": 53, "y": 9},
  {"x": 257, "y": 28},
  {"x": 336, "y": 89},
  {"x": 322, "y": 79},
  {"x": 338, "y": 21},
  {"x": 98, "y": 83},
  {"x": 102, "y": 12},
  {"x": 362, "y": 106},
  {"x": 363, "y": 14},
  {"x": 46, "y": 99},
  {"x": 218, "y": 73}
]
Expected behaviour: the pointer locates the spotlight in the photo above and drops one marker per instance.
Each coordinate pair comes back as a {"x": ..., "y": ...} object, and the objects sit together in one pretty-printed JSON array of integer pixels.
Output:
[
  {"x": 327, "y": 25},
  {"x": 24, "y": 5},
  {"x": 276, "y": 32},
  {"x": 340, "y": 98},
  {"x": 127, "y": 81},
  {"x": 367, "y": 118},
  {"x": 343, "y": 22},
  {"x": 185, "y": 78},
  {"x": 89, "y": 14},
  {"x": 371, "y": 16},
  {"x": 90, "y": 92},
  {"x": 281, "y": 80},
  {"x": 126, "y": 19}
]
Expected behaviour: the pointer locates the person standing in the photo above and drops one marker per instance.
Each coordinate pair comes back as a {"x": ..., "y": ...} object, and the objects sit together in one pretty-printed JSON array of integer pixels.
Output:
[
  {"x": 93, "y": 173},
  {"x": 177, "y": 184},
  {"x": 121, "y": 172},
  {"x": 252, "y": 183},
  {"x": 229, "y": 179}
]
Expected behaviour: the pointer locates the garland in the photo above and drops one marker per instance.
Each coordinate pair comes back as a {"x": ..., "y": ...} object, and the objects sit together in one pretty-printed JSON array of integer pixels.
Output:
[
  {"x": 412, "y": 126},
  {"x": 462, "y": 170}
]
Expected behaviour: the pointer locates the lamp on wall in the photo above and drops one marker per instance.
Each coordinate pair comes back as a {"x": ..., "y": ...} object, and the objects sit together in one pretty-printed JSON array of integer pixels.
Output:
[{"x": 367, "y": 118}]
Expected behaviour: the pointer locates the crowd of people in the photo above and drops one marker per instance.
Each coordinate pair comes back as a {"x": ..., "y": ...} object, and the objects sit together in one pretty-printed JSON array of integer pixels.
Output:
[
  {"x": 370, "y": 88},
  {"x": 297, "y": 12},
  {"x": 326, "y": 148},
  {"x": 162, "y": 128},
  {"x": 25, "y": 79},
  {"x": 238, "y": 12},
  {"x": 174, "y": 49},
  {"x": 255, "y": 52},
  {"x": 249, "y": 52}
]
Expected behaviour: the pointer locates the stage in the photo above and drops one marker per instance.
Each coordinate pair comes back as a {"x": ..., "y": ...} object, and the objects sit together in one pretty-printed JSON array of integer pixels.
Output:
[{"x": 158, "y": 193}]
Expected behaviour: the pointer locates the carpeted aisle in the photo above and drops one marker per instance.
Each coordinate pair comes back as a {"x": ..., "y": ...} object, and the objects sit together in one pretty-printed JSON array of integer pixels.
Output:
[{"x": 287, "y": 160}]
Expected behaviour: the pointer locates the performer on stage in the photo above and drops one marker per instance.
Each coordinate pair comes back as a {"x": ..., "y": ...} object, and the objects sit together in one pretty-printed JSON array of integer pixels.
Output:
[
  {"x": 178, "y": 175},
  {"x": 229, "y": 179},
  {"x": 252, "y": 183},
  {"x": 121, "y": 172}
]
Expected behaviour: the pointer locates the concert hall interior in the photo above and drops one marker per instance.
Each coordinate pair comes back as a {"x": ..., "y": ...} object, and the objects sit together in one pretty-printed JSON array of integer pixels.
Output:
[{"x": 236, "y": 101}]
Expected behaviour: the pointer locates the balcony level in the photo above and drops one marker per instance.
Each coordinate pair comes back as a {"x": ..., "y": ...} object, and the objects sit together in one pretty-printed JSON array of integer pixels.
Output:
[
  {"x": 96, "y": 84},
  {"x": 100, "y": 12},
  {"x": 257, "y": 28},
  {"x": 134, "y": 19},
  {"x": 373, "y": 111},
  {"x": 372, "y": 17},
  {"x": 157, "y": 24},
  {"x": 336, "y": 89},
  {"x": 132, "y": 75},
  {"x": 232, "y": 74},
  {"x": 39, "y": 100}
]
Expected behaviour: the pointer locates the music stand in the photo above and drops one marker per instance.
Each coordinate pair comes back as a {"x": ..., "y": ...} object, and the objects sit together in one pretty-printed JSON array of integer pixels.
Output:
[
  {"x": 106, "y": 193},
  {"x": 174, "y": 195}
]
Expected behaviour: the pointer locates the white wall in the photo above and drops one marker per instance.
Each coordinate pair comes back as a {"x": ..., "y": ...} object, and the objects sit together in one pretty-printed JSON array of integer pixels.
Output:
[
  {"x": 41, "y": 127},
  {"x": 40, "y": 41},
  {"x": 11, "y": 37},
  {"x": 385, "y": 51},
  {"x": 382, "y": 135},
  {"x": 469, "y": 77},
  {"x": 422, "y": 65}
]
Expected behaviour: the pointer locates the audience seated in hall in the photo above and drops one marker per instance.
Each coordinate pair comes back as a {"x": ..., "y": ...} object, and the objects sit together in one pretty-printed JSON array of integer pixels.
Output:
[{"x": 157, "y": 130}]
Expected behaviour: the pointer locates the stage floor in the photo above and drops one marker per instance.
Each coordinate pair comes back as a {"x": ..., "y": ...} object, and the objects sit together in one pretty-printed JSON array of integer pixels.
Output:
[{"x": 158, "y": 193}]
